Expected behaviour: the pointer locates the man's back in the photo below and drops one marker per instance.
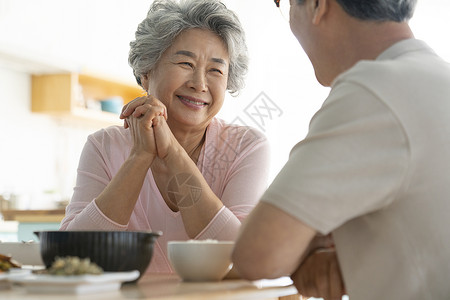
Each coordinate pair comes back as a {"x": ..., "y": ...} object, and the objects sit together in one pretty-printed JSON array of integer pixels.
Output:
[{"x": 401, "y": 249}]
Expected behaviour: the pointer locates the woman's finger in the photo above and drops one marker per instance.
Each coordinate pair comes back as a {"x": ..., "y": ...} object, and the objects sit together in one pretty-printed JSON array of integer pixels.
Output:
[
  {"x": 128, "y": 108},
  {"x": 146, "y": 119},
  {"x": 142, "y": 134},
  {"x": 156, "y": 102},
  {"x": 163, "y": 136},
  {"x": 148, "y": 109},
  {"x": 131, "y": 107}
]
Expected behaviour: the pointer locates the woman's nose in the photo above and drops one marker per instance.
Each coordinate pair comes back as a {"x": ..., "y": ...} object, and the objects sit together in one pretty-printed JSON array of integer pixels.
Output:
[{"x": 198, "y": 81}]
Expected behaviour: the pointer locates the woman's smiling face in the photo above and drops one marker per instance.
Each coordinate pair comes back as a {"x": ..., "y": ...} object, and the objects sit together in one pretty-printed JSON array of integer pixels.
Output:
[{"x": 191, "y": 78}]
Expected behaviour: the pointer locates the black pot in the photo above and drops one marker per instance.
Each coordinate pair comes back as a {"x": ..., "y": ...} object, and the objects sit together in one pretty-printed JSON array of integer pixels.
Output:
[{"x": 114, "y": 251}]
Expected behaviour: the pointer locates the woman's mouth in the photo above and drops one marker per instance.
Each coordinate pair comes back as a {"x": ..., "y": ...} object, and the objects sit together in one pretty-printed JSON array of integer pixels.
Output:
[{"x": 193, "y": 103}]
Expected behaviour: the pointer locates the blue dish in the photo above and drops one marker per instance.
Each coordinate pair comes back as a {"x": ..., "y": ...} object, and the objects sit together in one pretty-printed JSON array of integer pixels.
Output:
[{"x": 113, "y": 105}]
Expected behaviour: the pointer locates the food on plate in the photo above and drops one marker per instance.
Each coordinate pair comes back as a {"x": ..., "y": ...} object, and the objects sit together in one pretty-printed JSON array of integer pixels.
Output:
[
  {"x": 73, "y": 265},
  {"x": 6, "y": 263}
]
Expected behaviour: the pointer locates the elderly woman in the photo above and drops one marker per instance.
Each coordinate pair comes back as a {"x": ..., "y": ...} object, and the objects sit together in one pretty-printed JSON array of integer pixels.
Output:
[{"x": 176, "y": 168}]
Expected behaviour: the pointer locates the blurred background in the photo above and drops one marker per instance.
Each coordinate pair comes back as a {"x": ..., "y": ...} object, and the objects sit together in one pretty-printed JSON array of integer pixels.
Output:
[{"x": 39, "y": 150}]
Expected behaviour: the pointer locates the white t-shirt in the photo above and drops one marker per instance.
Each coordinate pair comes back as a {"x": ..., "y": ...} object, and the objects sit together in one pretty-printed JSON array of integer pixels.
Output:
[{"x": 374, "y": 170}]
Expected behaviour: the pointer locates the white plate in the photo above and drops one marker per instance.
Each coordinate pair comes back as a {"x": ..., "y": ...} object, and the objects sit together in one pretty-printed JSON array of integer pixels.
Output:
[
  {"x": 5, "y": 277},
  {"x": 81, "y": 284},
  {"x": 14, "y": 273}
]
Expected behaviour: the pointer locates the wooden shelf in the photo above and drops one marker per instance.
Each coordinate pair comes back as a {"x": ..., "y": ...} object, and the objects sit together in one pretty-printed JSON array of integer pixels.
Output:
[
  {"x": 34, "y": 215},
  {"x": 65, "y": 95}
]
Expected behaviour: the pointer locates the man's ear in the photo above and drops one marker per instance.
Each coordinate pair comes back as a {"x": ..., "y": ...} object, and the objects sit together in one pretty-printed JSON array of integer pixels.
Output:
[{"x": 319, "y": 10}]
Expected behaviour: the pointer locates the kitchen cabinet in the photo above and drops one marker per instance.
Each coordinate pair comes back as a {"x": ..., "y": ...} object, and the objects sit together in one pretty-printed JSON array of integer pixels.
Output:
[{"x": 68, "y": 96}]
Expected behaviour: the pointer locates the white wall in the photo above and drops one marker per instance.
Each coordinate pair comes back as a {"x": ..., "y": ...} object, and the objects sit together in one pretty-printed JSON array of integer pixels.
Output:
[
  {"x": 280, "y": 69},
  {"x": 39, "y": 154}
]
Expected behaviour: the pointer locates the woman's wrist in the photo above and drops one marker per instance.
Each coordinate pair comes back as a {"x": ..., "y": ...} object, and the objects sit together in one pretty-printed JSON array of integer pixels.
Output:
[
  {"x": 175, "y": 155},
  {"x": 143, "y": 158}
]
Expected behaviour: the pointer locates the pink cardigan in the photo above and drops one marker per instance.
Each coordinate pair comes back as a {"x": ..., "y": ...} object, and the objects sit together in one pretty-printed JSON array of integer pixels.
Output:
[{"x": 234, "y": 161}]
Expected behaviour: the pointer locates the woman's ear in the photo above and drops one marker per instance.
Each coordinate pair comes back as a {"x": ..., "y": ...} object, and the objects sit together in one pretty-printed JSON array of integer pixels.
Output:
[
  {"x": 319, "y": 10},
  {"x": 145, "y": 81}
]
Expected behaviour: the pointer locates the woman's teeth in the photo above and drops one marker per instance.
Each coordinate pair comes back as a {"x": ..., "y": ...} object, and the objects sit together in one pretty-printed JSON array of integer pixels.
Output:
[{"x": 193, "y": 102}]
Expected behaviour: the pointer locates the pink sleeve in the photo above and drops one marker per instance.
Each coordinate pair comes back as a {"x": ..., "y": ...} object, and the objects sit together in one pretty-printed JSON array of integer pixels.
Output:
[
  {"x": 246, "y": 181},
  {"x": 93, "y": 175},
  {"x": 90, "y": 217}
]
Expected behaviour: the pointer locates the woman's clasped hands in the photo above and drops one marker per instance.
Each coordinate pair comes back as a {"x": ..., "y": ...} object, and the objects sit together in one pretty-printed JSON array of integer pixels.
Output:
[{"x": 146, "y": 118}]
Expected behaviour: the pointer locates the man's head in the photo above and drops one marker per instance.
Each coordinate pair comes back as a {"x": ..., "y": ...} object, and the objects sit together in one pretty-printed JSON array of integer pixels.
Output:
[
  {"x": 377, "y": 10},
  {"x": 335, "y": 34}
]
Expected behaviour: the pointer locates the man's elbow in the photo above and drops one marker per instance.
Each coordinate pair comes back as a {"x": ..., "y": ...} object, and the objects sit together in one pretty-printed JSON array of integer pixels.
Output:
[
  {"x": 245, "y": 269},
  {"x": 253, "y": 269}
]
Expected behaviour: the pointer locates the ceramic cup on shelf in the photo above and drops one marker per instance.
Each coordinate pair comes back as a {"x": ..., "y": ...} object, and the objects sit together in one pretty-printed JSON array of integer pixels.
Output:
[{"x": 113, "y": 105}]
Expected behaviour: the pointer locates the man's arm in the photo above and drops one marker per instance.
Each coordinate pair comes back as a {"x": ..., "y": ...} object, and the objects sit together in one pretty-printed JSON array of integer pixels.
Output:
[{"x": 271, "y": 243}]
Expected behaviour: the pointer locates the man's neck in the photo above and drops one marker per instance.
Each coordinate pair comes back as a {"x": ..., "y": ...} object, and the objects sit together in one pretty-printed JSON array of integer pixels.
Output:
[
  {"x": 372, "y": 39},
  {"x": 366, "y": 41}
]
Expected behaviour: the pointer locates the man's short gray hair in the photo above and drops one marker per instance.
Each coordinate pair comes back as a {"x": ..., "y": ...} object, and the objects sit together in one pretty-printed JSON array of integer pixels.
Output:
[
  {"x": 166, "y": 19},
  {"x": 378, "y": 10}
]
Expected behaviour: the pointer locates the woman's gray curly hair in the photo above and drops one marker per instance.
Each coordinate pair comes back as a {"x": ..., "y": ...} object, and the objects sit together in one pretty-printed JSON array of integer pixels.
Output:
[{"x": 166, "y": 19}]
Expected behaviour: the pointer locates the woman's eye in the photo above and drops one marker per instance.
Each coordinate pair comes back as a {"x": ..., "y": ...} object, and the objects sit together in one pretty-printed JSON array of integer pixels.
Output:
[
  {"x": 186, "y": 64},
  {"x": 217, "y": 70}
]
